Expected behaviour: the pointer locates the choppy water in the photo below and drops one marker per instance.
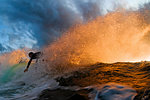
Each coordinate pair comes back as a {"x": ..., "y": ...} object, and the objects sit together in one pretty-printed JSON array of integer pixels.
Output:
[
  {"x": 115, "y": 81},
  {"x": 17, "y": 85},
  {"x": 118, "y": 81}
]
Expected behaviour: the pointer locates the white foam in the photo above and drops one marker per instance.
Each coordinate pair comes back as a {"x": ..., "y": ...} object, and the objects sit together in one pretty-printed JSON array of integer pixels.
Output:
[
  {"x": 26, "y": 86},
  {"x": 114, "y": 91}
]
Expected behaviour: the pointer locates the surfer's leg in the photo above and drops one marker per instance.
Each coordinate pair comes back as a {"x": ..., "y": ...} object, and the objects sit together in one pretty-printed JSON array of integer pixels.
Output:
[{"x": 36, "y": 60}]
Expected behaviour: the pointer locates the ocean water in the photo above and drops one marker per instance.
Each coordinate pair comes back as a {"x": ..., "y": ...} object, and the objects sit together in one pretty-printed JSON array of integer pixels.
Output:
[
  {"x": 116, "y": 81},
  {"x": 88, "y": 33},
  {"x": 17, "y": 85},
  {"x": 114, "y": 91}
]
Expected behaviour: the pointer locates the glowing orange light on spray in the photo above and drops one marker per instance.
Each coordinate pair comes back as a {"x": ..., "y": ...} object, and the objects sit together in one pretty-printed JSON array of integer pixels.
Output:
[
  {"x": 12, "y": 58},
  {"x": 111, "y": 38}
]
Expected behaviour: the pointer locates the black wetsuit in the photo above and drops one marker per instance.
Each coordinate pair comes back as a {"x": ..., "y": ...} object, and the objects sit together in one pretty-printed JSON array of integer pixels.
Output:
[{"x": 34, "y": 56}]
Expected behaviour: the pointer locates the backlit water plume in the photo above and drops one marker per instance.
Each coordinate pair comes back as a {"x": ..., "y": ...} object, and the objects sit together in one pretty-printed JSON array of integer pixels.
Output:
[{"x": 117, "y": 36}]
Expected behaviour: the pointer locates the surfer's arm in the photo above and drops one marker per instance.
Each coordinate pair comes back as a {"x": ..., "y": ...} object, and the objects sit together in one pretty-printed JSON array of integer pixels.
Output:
[{"x": 28, "y": 65}]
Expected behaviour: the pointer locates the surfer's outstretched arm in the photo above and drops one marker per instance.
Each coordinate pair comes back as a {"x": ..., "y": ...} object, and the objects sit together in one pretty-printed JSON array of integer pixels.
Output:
[{"x": 28, "y": 65}]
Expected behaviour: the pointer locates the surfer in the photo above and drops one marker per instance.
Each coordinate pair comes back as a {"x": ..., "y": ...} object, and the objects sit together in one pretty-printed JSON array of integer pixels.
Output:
[{"x": 32, "y": 56}]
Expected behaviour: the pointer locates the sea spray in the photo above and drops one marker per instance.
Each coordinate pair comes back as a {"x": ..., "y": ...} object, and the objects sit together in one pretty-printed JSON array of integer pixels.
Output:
[
  {"x": 117, "y": 36},
  {"x": 16, "y": 84}
]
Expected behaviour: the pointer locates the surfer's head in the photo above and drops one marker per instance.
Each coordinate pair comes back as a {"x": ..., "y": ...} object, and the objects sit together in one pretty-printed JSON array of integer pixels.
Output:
[{"x": 30, "y": 54}]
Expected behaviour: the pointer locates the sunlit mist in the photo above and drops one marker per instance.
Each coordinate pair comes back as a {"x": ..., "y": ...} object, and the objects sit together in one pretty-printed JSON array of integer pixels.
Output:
[
  {"x": 12, "y": 58},
  {"x": 115, "y": 37}
]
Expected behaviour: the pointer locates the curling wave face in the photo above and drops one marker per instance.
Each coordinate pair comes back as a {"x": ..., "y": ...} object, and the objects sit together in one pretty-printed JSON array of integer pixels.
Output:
[
  {"x": 16, "y": 84},
  {"x": 118, "y": 36}
]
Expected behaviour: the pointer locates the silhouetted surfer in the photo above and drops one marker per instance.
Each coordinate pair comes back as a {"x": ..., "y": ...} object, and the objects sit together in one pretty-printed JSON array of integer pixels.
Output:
[{"x": 32, "y": 56}]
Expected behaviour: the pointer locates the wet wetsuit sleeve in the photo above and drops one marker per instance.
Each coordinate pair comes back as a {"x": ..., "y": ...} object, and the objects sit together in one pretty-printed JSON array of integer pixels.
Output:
[{"x": 29, "y": 63}]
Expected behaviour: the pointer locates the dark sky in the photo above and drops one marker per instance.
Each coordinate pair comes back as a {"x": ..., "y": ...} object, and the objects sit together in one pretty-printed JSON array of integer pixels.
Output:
[{"x": 35, "y": 23}]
